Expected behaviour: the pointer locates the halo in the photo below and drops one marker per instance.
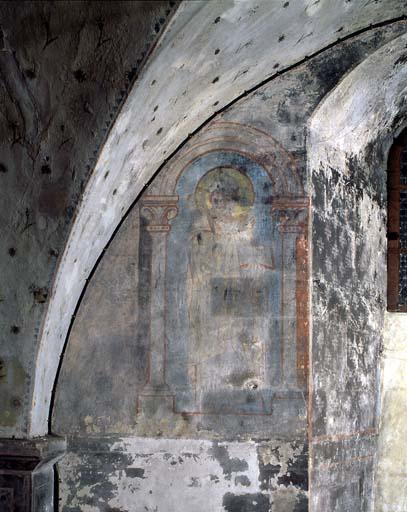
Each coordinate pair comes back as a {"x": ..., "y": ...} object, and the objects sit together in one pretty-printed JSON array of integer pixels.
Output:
[{"x": 231, "y": 185}]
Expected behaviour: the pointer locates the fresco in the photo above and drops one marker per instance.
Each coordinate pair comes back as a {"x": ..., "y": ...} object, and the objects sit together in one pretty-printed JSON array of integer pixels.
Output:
[
  {"x": 202, "y": 303},
  {"x": 220, "y": 336},
  {"x": 222, "y": 330}
]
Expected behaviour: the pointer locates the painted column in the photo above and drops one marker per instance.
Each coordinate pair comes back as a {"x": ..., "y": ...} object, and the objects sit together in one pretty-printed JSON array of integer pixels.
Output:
[
  {"x": 292, "y": 215},
  {"x": 303, "y": 310},
  {"x": 158, "y": 211}
]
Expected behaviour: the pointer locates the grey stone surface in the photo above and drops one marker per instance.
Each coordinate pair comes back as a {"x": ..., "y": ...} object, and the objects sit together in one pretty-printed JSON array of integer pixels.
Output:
[
  {"x": 65, "y": 69},
  {"x": 281, "y": 108},
  {"x": 64, "y": 73},
  {"x": 347, "y": 162}
]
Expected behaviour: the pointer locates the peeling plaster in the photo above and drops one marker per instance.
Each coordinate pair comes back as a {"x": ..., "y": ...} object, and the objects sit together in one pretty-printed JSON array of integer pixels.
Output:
[{"x": 95, "y": 476}]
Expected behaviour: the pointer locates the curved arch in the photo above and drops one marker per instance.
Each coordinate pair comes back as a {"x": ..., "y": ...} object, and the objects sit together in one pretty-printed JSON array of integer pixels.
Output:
[
  {"x": 368, "y": 107},
  {"x": 180, "y": 88},
  {"x": 251, "y": 142},
  {"x": 349, "y": 137}
]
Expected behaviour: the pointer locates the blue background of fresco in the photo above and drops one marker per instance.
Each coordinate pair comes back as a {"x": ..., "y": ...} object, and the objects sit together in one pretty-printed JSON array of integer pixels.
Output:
[{"x": 265, "y": 234}]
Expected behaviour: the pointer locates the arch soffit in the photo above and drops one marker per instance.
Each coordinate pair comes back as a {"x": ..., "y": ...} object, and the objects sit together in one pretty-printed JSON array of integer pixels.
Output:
[{"x": 367, "y": 108}]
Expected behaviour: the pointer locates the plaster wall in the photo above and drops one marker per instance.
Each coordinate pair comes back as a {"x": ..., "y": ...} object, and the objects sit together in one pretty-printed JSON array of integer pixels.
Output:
[
  {"x": 391, "y": 478},
  {"x": 152, "y": 474},
  {"x": 87, "y": 85}
]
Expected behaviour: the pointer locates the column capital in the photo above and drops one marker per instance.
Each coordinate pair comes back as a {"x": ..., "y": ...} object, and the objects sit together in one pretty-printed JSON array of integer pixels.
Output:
[
  {"x": 290, "y": 203},
  {"x": 290, "y": 212},
  {"x": 158, "y": 211},
  {"x": 290, "y": 223}
]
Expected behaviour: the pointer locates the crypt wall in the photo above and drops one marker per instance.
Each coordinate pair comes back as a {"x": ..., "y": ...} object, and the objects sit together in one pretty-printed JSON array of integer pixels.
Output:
[
  {"x": 216, "y": 247},
  {"x": 95, "y": 96},
  {"x": 350, "y": 137},
  {"x": 197, "y": 329}
]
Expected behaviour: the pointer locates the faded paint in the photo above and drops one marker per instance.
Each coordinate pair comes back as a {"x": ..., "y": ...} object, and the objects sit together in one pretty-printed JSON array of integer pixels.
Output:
[
  {"x": 343, "y": 463},
  {"x": 348, "y": 180},
  {"x": 286, "y": 128},
  {"x": 196, "y": 82},
  {"x": 214, "y": 271}
]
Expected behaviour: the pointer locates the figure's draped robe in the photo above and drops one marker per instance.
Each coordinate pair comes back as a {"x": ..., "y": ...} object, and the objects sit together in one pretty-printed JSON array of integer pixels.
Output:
[{"x": 229, "y": 327}]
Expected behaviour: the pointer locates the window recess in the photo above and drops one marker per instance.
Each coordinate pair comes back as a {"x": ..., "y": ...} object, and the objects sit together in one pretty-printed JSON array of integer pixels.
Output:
[{"x": 397, "y": 226}]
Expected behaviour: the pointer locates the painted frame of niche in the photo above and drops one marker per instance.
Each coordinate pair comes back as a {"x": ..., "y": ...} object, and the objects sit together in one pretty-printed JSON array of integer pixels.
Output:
[{"x": 224, "y": 255}]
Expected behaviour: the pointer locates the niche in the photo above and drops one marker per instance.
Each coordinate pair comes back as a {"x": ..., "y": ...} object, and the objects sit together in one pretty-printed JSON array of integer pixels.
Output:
[{"x": 196, "y": 324}]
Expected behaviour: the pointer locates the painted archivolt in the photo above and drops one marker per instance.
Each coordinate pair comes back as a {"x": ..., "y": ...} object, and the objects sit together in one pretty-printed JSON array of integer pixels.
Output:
[{"x": 223, "y": 229}]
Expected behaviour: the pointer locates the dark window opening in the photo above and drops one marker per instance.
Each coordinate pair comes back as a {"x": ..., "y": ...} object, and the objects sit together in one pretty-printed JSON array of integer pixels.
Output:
[{"x": 397, "y": 226}]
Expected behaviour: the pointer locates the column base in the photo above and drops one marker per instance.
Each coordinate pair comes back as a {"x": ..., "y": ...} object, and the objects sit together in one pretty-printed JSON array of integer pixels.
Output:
[{"x": 156, "y": 400}]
